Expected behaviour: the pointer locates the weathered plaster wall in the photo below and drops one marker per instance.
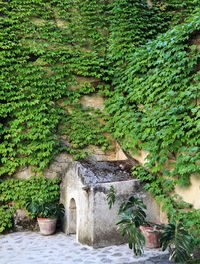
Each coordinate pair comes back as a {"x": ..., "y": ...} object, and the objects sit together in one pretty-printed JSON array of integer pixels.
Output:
[
  {"x": 149, "y": 2},
  {"x": 196, "y": 41},
  {"x": 106, "y": 231},
  {"x": 55, "y": 169},
  {"x": 72, "y": 188},
  {"x": 96, "y": 101},
  {"x": 59, "y": 163}
]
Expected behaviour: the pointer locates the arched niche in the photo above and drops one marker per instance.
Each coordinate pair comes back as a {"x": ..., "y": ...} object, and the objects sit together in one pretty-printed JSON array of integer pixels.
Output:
[{"x": 72, "y": 217}]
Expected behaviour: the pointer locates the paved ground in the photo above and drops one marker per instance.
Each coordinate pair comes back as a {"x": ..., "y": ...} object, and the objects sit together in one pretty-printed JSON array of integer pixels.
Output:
[{"x": 31, "y": 248}]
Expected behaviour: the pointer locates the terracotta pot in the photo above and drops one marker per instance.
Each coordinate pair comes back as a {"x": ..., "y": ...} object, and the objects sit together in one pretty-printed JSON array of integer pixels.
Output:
[
  {"x": 47, "y": 225},
  {"x": 152, "y": 236}
]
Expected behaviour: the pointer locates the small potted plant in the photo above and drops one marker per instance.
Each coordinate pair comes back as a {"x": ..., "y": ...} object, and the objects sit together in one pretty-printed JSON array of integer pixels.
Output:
[
  {"x": 152, "y": 232},
  {"x": 174, "y": 236},
  {"x": 46, "y": 213},
  {"x": 141, "y": 232}
]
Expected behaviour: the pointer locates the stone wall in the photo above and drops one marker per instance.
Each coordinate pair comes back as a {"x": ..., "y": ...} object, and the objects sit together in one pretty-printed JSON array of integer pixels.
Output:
[{"x": 24, "y": 222}]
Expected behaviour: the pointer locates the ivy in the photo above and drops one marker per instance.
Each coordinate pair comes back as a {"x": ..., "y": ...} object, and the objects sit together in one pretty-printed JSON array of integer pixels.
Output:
[
  {"x": 140, "y": 58},
  {"x": 46, "y": 48},
  {"x": 15, "y": 192},
  {"x": 155, "y": 105},
  {"x": 40, "y": 62},
  {"x": 6, "y": 218}
]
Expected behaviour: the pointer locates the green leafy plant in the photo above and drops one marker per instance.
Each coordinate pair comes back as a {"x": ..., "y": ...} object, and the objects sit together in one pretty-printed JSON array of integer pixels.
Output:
[
  {"x": 42, "y": 209},
  {"x": 136, "y": 239},
  {"x": 174, "y": 236},
  {"x": 135, "y": 207},
  {"x": 111, "y": 197},
  {"x": 142, "y": 60},
  {"x": 6, "y": 220},
  {"x": 181, "y": 235},
  {"x": 133, "y": 215},
  {"x": 154, "y": 104},
  {"x": 57, "y": 51},
  {"x": 179, "y": 241}
]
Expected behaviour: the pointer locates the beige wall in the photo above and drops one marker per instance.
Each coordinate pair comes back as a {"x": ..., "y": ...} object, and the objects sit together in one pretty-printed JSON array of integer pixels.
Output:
[{"x": 191, "y": 194}]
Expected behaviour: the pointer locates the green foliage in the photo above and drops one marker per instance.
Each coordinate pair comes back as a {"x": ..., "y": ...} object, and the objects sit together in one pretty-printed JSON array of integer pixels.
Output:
[
  {"x": 47, "y": 49},
  {"x": 154, "y": 106},
  {"x": 19, "y": 190},
  {"x": 179, "y": 241},
  {"x": 132, "y": 215},
  {"x": 191, "y": 222},
  {"x": 6, "y": 217},
  {"x": 54, "y": 52},
  {"x": 132, "y": 24},
  {"x": 136, "y": 239},
  {"x": 40, "y": 208},
  {"x": 178, "y": 235},
  {"x": 46, "y": 46},
  {"x": 85, "y": 129},
  {"x": 111, "y": 197},
  {"x": 158, "y": 185},
  {"x": 135, "y": 207},
  {"x": 14, "y": 194}
]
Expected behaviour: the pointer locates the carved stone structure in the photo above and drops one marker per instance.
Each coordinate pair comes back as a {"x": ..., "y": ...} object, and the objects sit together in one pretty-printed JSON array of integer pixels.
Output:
[{"x": 84, "y": 190}]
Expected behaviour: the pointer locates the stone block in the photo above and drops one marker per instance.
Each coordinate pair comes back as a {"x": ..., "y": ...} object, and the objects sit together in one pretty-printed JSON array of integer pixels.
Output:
[{"x": 24, "y": 222}]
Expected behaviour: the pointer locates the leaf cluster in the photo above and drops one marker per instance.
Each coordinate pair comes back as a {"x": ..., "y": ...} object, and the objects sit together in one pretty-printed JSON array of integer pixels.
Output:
[
  {"x": 45, "y": 47},
  {"x": 155, "y": 104},
  {"x": 54, "y": 52},
  {"x": 111, "y": 197},
  {"x": 132, "y": 215},
  {"x": 43, "y": 209},
  {"x": 179, "y": 241}
]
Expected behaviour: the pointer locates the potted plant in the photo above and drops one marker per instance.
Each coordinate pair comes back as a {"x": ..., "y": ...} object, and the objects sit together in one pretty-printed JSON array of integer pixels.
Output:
[
  {"x": 141, "y": 232},
  {"x": 46, "y": 213},
  {"x": 152, "y": 232}
]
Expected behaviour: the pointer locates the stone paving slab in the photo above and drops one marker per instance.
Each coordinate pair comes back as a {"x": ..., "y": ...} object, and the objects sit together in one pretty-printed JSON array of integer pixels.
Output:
[{"x": 32, "y": 248}]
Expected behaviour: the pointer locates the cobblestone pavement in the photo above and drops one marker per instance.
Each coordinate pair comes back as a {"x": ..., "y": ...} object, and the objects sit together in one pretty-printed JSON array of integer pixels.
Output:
[{"x": 31, "y": 248}]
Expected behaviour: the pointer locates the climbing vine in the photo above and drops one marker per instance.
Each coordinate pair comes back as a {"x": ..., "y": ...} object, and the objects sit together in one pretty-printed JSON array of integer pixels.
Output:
[
  {"x": 141, "y": 58},
  {"x": 44, "y": 49},
  {"x": 47, "y": 49},
  {"x": 155, "y": 106}
]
